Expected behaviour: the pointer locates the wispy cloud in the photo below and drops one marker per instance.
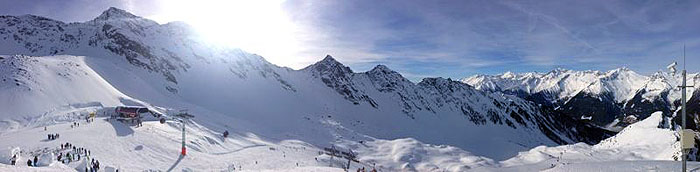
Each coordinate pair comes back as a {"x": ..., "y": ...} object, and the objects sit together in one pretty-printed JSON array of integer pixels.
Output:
[
  {"x": 454, "y": 38},
  {"x": 460, "y": 38}
]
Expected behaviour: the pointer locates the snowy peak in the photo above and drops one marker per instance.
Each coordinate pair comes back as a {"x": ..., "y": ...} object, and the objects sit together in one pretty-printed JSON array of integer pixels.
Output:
[
  {"x": 115, "y": 14},
  {"x": 508, "y": 75},
  {"x": 558, "y": 71},
  {"x": 383, "y": 72},
  {"x": 387, "y": 74},
  {"x": 329, "y": 65},
  {"x": 382, "y": 69},
  {"x": 329, "y": 59},
  {"x": 621, "y": 83}
]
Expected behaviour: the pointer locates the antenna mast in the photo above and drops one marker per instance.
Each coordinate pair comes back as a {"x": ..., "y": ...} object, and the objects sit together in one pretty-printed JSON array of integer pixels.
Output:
[{"x": 687, "y": 137}]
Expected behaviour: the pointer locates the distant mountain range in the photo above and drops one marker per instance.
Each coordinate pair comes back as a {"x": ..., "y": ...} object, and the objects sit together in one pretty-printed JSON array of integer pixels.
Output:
[{"x": 610, "y": 100}]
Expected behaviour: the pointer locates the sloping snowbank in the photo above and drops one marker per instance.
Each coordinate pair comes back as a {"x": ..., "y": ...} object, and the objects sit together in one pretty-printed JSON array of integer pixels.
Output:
[
  {"x": 643, "y": 140},
  {"x": 33, "y": 86},
  {"x": 412, "y": 155}
]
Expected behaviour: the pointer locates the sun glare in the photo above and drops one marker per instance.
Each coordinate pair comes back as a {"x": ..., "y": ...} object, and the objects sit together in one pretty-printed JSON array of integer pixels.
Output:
[{"x": 256, "y": 26}]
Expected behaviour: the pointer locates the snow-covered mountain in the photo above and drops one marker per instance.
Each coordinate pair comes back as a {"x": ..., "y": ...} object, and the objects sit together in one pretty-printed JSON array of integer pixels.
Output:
[
  {"x": 609, "y": 100},
  {"x": 122, "y": 59},
  {"x": 54, "y": 73}
]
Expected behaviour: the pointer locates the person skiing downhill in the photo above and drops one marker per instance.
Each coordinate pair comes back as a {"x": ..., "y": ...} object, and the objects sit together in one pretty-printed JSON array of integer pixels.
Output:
[{"x": 225, "y": 133}]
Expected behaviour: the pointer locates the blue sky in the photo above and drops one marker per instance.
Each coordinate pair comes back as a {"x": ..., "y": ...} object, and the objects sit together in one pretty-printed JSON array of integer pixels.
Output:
[{"x": 457, "y": 38}]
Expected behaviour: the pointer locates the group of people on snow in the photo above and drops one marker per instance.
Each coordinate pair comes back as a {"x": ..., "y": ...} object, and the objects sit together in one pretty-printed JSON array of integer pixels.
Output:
[
  {"x": 32, "y": 163},
  {"x": 74, "y": 155},
  {"x": 75, "y": 124},
  {"x": 93, "y": 166},
  {"x": 53, "y": 136},
  {"x": 90, "y": 118},
  {"x": 13, "y": 161},
  {"x": 363, "y": 169}
]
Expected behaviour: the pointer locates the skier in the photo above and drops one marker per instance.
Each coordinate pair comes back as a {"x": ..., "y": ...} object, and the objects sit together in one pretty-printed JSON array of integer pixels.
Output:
[
  {"x": 36, "y": 159},
  {"x": 13, "y": 160},
  {"x": 29, "y": 162},
  {"x": 225, "y": 133}
]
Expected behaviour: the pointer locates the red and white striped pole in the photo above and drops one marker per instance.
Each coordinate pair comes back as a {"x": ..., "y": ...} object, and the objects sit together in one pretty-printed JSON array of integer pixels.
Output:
[{"x": 184, "y": 149}]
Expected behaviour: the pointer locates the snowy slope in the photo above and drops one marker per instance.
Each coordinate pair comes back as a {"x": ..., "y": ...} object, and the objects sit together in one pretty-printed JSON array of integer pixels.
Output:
[
  {"x": 33, "y": 86},
  {"x": 156, "y": 146},
  {"x": 642, "y": 146}
]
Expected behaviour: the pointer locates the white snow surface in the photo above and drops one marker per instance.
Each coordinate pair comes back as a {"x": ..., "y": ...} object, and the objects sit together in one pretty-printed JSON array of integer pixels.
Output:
[
  {"x": 642, "y": 146},
  {"x": 32, "y": 86}
]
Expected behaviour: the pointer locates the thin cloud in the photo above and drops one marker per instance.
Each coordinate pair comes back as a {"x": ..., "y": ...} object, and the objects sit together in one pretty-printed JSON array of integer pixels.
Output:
[{"x": 461, "y": 38}]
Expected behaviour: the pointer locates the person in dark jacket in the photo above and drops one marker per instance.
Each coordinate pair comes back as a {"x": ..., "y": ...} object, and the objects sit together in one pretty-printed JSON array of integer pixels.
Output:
[
  {"x": 36, "y": 159},
  {"x": 29, "y": 162}
]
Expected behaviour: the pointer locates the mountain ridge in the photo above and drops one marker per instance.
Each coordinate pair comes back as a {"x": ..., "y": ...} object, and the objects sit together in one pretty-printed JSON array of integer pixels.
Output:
[{"x": 617, "y": 94}]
